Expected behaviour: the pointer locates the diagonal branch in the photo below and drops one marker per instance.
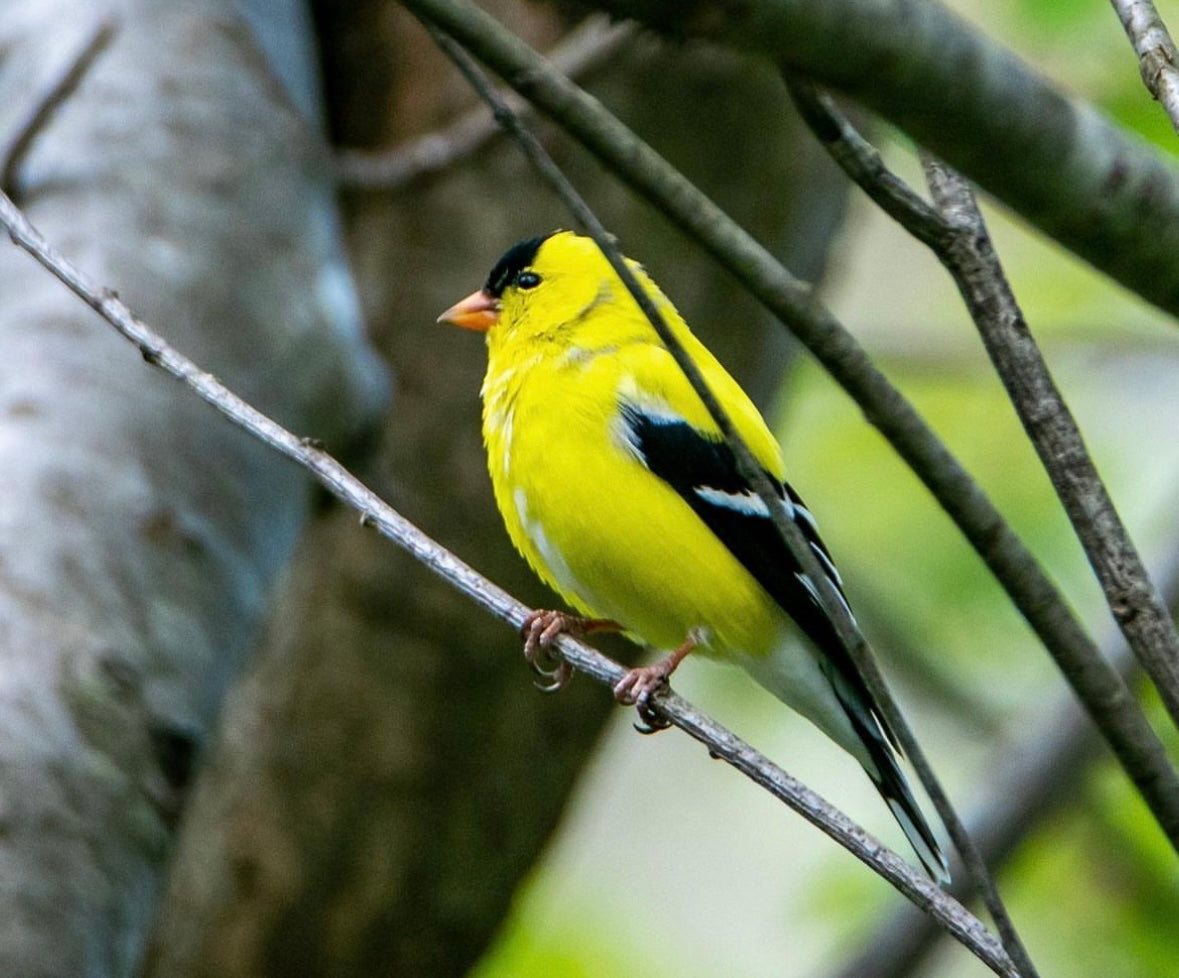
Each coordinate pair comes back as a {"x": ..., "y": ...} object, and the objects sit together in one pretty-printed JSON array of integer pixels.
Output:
[
  {"x": 1105, "y": 695},
  {"x": 1056, "y": 160},
  {"x": 861, "y": 161},
  {"x": 1023, "y": 791},
  {"x": 1158, "y": 61},
  {"x": 49, "y": 101},
  {"x": 954, "y": 230},
  {"x": 950, "y": 914},
  {"x": 584, "y": 49},
  {"x": 1132, "y": 597}
]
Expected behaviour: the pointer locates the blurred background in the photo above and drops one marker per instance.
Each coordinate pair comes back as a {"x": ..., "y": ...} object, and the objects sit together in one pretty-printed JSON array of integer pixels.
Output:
[
  {"x": 384, "y": 791},
  {"x": 666, "y": 863}
]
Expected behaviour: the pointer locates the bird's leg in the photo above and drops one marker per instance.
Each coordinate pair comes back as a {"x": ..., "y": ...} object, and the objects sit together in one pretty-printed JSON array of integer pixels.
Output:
[
  {"x": 540, "y": 631},
  {"x": 636, "y": 687}
]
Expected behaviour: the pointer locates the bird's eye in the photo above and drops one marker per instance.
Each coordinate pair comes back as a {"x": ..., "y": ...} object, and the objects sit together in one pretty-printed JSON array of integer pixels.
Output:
[{"x": 527, "y": 280}]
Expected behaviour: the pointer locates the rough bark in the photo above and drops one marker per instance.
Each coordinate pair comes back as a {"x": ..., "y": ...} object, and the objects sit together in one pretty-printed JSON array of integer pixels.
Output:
[{"x": 139, "y": 535}]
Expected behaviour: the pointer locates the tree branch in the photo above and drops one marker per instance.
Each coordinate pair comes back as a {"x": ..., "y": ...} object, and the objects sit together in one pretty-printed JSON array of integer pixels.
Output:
[
  {"x": 860, "y": 160},
  {"x": 49, "y": 101},
  {"x": 1023, "y": 791},
  {"x": 1157, "y": 58},
  {"x": 1056, "y": 160},
  {"x": 950, "y": 914},
  {"x": 584, "y": 49},
  {"x": 954, "y": 230},
  {"x": 1105, "y": 695}
]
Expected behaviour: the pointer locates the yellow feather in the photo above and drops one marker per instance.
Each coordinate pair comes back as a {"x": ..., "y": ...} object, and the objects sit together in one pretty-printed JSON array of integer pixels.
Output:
[
  {"x": 598, "y": 527},
  {"x": 572, "y": 360}
]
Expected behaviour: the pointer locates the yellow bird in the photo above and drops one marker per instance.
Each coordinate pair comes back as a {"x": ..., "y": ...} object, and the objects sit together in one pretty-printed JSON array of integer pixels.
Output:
[{"x": 619, "y": 490}]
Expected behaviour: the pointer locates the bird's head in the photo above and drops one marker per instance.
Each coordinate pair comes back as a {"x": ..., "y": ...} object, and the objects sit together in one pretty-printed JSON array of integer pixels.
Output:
[{"x": 538, "y": 288}]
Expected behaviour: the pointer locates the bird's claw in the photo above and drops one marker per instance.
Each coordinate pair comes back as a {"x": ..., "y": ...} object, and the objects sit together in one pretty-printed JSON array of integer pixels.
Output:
[
  {"x": 552, "y": 680},
  {"x": 649, "y": 721},
  {"x": 636, "y": 688},
  {"x": 539, "y": 631}
]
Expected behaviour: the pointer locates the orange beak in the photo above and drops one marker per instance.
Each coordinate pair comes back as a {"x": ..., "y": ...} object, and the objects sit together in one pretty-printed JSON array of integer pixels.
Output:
[{"x": 478, "y": 311}]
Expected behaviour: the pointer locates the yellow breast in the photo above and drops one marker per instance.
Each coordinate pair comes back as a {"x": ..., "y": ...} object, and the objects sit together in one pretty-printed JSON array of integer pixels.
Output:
[{"x": 594, "y": 523}]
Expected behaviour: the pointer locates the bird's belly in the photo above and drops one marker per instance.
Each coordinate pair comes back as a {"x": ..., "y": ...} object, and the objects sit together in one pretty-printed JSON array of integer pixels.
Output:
[{"x": 620, "y": 543}]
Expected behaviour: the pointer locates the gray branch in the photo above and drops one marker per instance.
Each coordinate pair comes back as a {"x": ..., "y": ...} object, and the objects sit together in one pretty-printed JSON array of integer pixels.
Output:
[
  {"x": 950, "y": 914},
  {"x": 39, "y": 113},
  {"x": 1157, "y": 58},
  {"x": 1104, "y": 194}
]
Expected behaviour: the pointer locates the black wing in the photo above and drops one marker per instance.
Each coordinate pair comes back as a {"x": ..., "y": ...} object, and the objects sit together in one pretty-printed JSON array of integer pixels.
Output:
[{"x": 703, "y": 471}]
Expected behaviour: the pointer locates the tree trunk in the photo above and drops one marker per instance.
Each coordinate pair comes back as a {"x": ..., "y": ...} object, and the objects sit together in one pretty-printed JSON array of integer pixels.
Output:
[{"x": 140, "y": 536}]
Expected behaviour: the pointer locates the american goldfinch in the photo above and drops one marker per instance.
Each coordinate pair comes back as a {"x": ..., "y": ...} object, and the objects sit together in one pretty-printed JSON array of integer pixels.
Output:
[{"x": 619, "y": 490}]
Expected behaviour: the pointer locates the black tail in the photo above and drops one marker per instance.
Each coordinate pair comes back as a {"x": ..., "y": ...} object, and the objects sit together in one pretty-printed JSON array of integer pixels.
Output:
[
  {"x": 894, "y": 789},
  {"x": 885, "y": 772}
]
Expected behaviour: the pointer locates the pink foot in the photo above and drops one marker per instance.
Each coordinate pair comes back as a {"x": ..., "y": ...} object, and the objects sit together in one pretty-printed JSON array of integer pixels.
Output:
[{"x": 540, "y": 631}]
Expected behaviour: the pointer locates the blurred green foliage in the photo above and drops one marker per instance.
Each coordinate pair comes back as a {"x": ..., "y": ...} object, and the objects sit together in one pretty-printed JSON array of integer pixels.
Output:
[{"x": 1095, "y": 890}]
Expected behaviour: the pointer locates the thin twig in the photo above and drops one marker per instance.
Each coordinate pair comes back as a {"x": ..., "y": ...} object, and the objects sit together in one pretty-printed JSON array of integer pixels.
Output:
[
  {"x": 1157, "y": 58},
  {"x": 1133, "y": 599},
  {"x": 955, "y": 918},
  {"x": 862, "y": 163},
  {"x": 1104, "y": 693},
  {"x": 584, "y": 49},
  {"x": 1022, "y": 791},
  {"x": 50, "y": 101}
]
